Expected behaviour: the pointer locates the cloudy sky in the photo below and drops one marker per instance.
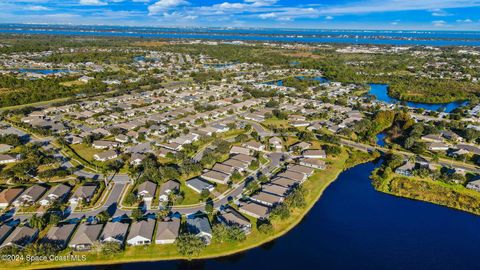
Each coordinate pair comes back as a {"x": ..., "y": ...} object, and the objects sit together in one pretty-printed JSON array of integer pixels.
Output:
[{"x": 351, "y": 14}]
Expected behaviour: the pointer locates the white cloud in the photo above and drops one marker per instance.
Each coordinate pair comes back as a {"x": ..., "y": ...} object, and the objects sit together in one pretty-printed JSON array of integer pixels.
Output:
[
  {"x": 465, "y": 21},
  {"x": 440, "y": 13},
  {"x": 36, "y": 8},
  {"x": 329, "y": 18},
  {"x": 92, "y": 3},
  {"x": 164, "y": 5},
  {"x": 439, "y": 23},
  {"x": 267, "y": 15}
]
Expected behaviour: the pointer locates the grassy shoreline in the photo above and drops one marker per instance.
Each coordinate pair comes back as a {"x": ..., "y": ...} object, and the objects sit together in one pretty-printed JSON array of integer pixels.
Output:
[{"x": 317, "y": 184}]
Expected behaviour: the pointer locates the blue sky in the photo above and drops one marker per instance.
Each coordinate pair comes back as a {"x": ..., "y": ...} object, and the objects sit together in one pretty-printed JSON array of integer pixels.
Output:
[{"x": 352, "y": 14}]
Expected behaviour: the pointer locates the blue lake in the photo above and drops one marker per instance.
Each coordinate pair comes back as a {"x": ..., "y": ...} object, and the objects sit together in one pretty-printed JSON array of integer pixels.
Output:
[
  {"x": 381, "y": 139},
  {"x": 380, "y": 91},
  {"x": 43, "y": 71},
  {"x": 353, "y": 226}
]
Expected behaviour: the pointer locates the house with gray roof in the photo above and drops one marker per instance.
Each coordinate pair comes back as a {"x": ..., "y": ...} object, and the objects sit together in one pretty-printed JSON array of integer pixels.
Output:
[
  {"x": 146, "y": 192},
  {"x": 199, "y": 185},
  {"x": 167, "y": 231},
  {"x": 200, "y": 227},
  {"x": 56, "y": 193},
  {"x": 59, "y": 235},
  {"x": 215, "y": 176},
  {"x": 255, "y": 210},
  {"x": 167, "y": 188},
  {"x": 5, "y": 231},
  {"x": 30, "y": 195},
  {"x": 114, "y": 232},
  {"x": 231, "y": 217},
  {"x": 141, "y": 232},
  {"x": 20, "y": 237},
  {"x": 83, "y": 193},
  {"x": 267, "y": 199},
  {"x": 86, "y": 236}
]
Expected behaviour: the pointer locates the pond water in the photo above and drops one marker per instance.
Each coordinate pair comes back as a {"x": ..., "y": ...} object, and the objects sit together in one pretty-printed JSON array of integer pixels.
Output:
[
  {"x": 43, "y": 71},
  {"x": 380, "y": 91},
  {"x": 353, "y": 226}
]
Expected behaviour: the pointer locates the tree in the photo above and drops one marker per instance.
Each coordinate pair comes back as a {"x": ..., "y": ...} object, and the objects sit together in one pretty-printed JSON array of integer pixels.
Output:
[
  {"x": 137, "y": 214},
  {"x": 37, "y": 222},
  {"x": 111, "y": 248},
  {"x": 103, "y": 216},
  {"x": 189, "y": 245},
  {"x": 280, "y": 211},
  {"x": 265, "y": 227}
]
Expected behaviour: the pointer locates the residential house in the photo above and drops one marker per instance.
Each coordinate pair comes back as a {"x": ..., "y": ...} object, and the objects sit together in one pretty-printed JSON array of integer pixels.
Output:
[
  {"x": 266, "y": 199},
  {"x": 231, "y": 217},
  {"x": 5, "y": 231},
  {"x": 7, "y": 196},
  {"x": 141, "y": 232},
  {"x": 240, "y": 150},
  {"x": 200, "y": 227},
  {"x": 146, "y": 191},
  {"x": 296, "y": 176},
  {"x": 86, "y": 236},
  {"x": 106, "y": 155},
  {"x": 406, "y": 169},
  {"x": 312, "y": 163},
  {"x": 255, "y": 210},
  {"x": 56, "y": 193},
  {"x": 199, "y": 185},
  {"x": 276, "y": 190},
  {"x": 83, "y": 193},
  {"x": 215, "y": 176},
  {"x": 308, "y": 171},
  {"x": 20, "y": 237},
  {"x": 6, "y": 158},
  {"x": 59, "y": 235},
  {"x": 253, "y": 145},
  {"x": 276, "y": 143},
  {"x": 167, "y": 188},
  {"x": 314, "y": 154},
  {"x": 101, "y": 144},
  {"x": 167, "y": 231},
  {"x": 115, "y": 232},
  {"x": 30, "y": 195}
]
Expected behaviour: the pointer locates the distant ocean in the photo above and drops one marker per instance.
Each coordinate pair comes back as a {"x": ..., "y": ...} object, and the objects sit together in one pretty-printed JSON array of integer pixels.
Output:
[{"x": 393, "y": 37}]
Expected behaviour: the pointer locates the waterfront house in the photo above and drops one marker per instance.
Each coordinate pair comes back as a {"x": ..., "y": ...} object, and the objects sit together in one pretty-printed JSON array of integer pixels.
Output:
[
  {"x": 308, "y": 171},
  {"x": 141, "y": 232},
  {"x": 266, "y": 199},
  {"x": 86, "y": 236},
  {"x": 312, "y": 163},
  {"x": 20, "y": 237},
  {"x": 231, "y": 217},
  {"x": 276, "y": 190},
  {"x": 314, "y": 154},
  {"x": 296, "y": 176},
  {"x": 255, "y": 210},
  {"x": 59, "y": 235},
  {"x": 200, "y": 227},
  {"x": 284, "y": 182},
  {"x": 115, "y": 232},
  {"x": 406, "y": 169},
  {"x": 167, "y": 231}
]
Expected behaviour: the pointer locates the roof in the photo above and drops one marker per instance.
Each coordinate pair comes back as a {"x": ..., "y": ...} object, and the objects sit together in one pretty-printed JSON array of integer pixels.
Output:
[
  {"x": 232, "y": 217},
  {"x": 199, "y": 184},
  {"x": 148, "y": 186},
  {"x": 34, "y": 192},
  {"x": 215, "y": 175},
  {"x": 59, "y": 235},
  {"x": 169, "y": 185},
  {"x": 314, "y": 153},
  {"x": 296, "y": 176},
  {"x": 275, "y": 189},
  {"x": 86, "y": 234},
  {"x": 168, "y": 230},
  {"x": 58, "y": 190},
  {"x": 198, "y": 225},
  {"x": 266, "y": 197},
  {"x": 21, "y": 236},
  {"x": 85, "y": 191},
  {"x": 9, "y": 195},
  {"x": 301, "y": 169},
  {"x": 284, "y": 182},
  {"x": 115, "y": 230},
  {"x": 243, "y": 158},
  {"x": 223, "y": 168},
  {"x": 143, "y": 228},
  {"x": 256, "y": 209}
]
